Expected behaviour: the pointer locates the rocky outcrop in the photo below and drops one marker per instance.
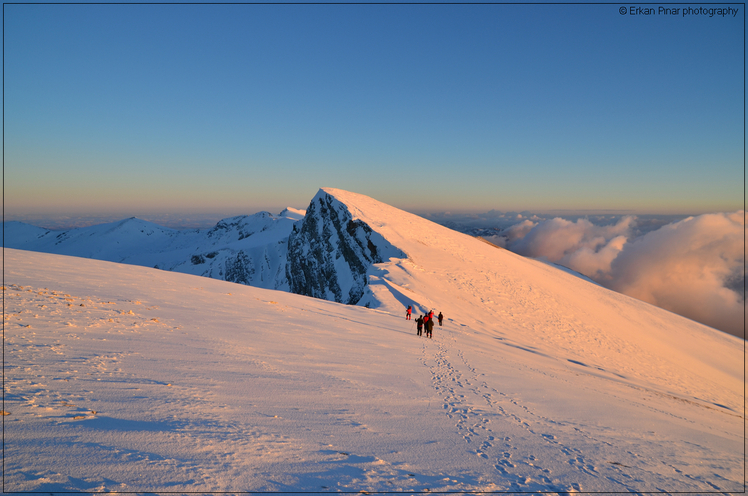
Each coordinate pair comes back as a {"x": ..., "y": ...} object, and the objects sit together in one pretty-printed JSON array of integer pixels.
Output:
[{"x": 330, "y": 252}]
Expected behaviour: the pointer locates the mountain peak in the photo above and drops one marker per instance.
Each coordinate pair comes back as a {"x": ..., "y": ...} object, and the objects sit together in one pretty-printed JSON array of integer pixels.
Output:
[
  {"x": 332, "y": 251},
  {"x": 292, "y": 213}
]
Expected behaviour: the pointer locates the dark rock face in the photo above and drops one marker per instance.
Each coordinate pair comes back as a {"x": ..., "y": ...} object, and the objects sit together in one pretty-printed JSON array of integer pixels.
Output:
[
  {"x": 240, "y": 269},
  {"x": 329, "y": 255}
]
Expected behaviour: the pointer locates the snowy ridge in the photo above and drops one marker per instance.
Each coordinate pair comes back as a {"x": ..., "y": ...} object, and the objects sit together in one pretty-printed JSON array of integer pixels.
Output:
[{"x": 527, "y": 304}]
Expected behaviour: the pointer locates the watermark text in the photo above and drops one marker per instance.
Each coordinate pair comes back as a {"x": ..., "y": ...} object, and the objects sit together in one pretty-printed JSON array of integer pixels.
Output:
[{"x": 679, "y": 11}]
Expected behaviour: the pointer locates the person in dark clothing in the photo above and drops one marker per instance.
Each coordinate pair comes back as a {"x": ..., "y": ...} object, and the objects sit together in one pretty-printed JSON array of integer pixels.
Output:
[
  {"x": 419, "y": 324},
  {"x": 429, "y": 328},
  {"x": 440, "y": 317}
]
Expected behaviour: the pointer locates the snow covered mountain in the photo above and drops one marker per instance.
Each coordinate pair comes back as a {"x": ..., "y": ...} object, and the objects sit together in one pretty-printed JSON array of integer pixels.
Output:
[
  {"x": 327, "y": 251},
  {"x": 248, "y": 250},
  {"x": 539, "y": 381},
  {"x": 330, "y": 253}
]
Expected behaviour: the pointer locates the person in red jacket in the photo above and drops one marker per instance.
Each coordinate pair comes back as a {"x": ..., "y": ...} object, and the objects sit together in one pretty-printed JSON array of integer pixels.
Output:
[{"x": 408, "y": 312}]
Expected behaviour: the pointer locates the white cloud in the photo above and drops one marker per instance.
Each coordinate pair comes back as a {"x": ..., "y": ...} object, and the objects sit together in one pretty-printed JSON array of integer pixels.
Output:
[
  {"x": 595, "y": 263},
  {"x": 519, "y": 231},
  {"x": 580, "y": 242},
  {"x": 693, "y": 267},
  {"x": 689, "y": 267}
]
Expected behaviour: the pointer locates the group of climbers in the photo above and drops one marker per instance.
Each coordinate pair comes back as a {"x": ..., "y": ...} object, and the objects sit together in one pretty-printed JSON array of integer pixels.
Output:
[{"x": 424, "y": 321}]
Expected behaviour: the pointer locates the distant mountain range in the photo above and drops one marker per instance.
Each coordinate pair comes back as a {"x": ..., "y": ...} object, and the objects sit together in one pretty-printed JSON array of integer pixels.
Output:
[{"x": 249, "y": 249}]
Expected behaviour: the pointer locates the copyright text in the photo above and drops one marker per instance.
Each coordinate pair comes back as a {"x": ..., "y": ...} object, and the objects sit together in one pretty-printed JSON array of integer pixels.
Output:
[{"x": 680, "y": 11}]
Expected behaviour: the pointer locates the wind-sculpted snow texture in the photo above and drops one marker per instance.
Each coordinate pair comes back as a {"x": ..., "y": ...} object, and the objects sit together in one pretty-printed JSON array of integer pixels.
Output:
[{"x": 330, "y": 254}]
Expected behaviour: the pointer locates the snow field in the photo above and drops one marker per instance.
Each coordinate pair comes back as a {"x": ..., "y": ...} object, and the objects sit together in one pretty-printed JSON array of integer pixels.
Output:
[{"x": 171, "y": 382}]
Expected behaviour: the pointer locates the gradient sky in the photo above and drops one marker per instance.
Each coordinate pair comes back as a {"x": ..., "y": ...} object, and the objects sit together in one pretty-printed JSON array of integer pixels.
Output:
[{"x": 180, "y": 109}]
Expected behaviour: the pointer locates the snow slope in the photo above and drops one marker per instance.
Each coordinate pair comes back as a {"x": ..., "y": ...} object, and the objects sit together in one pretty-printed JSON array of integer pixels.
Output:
[
  {"x": 126, "y": 378},
  {"x": 514, "y": 299}
]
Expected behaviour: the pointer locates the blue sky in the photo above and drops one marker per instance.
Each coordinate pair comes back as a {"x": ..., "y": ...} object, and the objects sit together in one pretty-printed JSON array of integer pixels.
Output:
[{"x": 141, "y": 110}]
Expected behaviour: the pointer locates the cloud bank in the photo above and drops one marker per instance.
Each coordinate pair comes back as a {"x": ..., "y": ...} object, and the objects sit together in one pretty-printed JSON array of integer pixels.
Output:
[{"x": 693, "y": 267}]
